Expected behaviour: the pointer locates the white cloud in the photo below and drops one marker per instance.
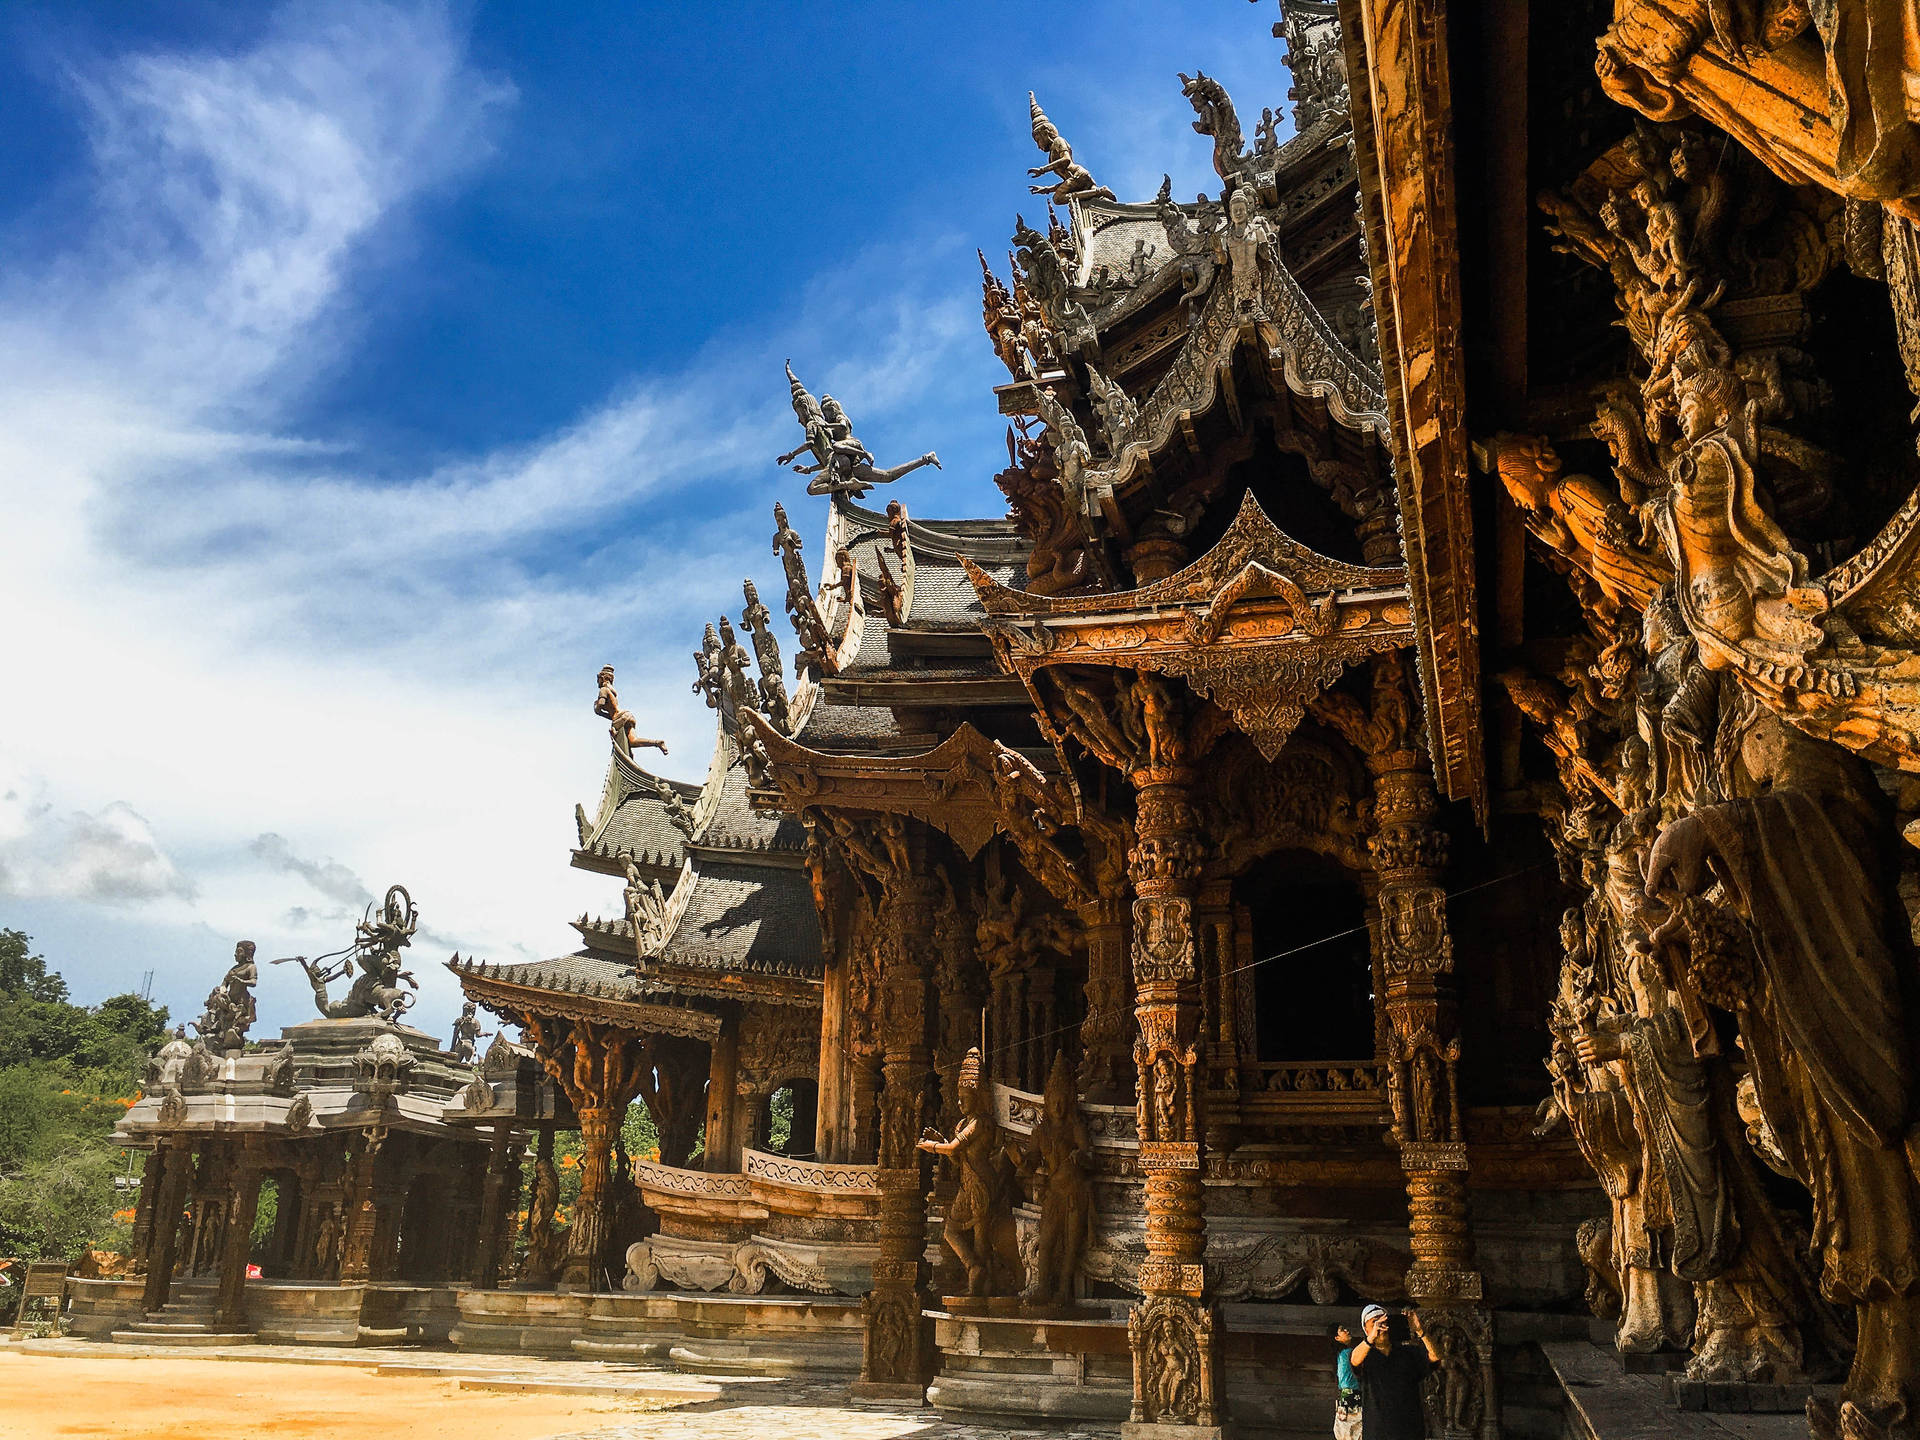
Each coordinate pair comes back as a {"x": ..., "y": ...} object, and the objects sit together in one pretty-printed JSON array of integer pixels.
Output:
[
  {"x": 275, "y": 651},
  {"x": 108, "y": 856}
]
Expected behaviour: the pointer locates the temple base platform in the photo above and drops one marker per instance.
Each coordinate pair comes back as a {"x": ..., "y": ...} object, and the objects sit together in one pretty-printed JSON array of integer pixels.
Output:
[{"x": 709, "y": 1334}]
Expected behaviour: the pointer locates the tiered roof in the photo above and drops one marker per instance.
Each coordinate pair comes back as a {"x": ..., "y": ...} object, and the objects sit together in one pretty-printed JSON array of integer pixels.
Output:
[{"x": 1159, "y": 343}]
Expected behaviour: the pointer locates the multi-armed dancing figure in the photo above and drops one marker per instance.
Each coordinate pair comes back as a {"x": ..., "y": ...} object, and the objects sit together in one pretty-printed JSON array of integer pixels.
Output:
[{"x": 842, "y": 465}]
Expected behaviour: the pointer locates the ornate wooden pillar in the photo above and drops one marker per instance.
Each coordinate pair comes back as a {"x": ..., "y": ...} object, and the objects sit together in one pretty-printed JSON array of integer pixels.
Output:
[
  {"x": 600, "y": 1068},
  {"x": 1172, "y": 1331},
  {"x": 832, "y": 1138},
  {"x": 238, "y": 1239},
  {"x": 897, "y": 1357},
  {"x": 1417, "y": 1018},
  {"x": 363, "y": 1209},
  {"x": 176, "y": 1175},
  {"x": 1219, "y": 1012}
]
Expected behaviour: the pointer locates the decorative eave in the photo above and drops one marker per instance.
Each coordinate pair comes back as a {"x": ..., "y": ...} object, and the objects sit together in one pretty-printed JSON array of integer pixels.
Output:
[
  {"x": 950, "y": 786},
  {"x": 747, "y": 987},
  {"x": 1300, "y": 349},
  {"x": 1260, "y": 624},
  {"x": 1396, "y": 56},
  {"x": 591, "y": 1001}
]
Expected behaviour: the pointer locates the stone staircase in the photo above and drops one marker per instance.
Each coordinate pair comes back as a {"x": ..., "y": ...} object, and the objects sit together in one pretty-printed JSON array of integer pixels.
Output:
[{"x": 188, "y": 1318}]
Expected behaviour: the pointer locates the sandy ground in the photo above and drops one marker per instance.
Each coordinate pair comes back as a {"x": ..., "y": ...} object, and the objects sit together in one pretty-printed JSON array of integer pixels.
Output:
[{"x": 153, "y": 1398}]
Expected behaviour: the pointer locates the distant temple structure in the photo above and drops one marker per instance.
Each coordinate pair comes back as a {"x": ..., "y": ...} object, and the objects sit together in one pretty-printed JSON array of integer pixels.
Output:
[{"x": 1415, "y": 802}]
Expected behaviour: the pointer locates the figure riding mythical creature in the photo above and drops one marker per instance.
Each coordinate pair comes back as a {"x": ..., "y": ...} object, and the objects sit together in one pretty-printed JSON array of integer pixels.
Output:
[
  {"x": 377, "y": 941},
  {"x": 842, "y": 465}
]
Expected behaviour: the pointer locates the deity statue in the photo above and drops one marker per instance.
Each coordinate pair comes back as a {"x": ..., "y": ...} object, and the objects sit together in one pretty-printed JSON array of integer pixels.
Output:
[
  {"x": 646, "y": 909},
  {"x": 1116, "y": 409},
  {"x": 326, "y": 1245},
  {"x": 377, "y": 941},
  {"x": 1244, "y": 240},
  {"x": 1073, "y": 179},
  {"x": 1769, "y": 874},
  {"x": 1001, "y": 314},
  {"x": 169, "y": 1064},
  {"x": 620, "y": 723},
  {"x": 842, "y": 465},
  {"x": 543, "y": 1244},
  {"x": 1193, "y": 242},
  {"x": 1039, "y": 265},
  {"x": 466, "y": 1031},
  {"x": 757, "y": 620},
  {"x": 230, "y": 1010},
  {"x": 979, "y": 1226},
  {"x": 1061, "y": 1149},
  {"x": 1072, "y": 455}
]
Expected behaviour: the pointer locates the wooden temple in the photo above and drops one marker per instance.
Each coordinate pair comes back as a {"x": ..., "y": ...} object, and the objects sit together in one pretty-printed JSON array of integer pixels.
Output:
[
  {"x": 1135, "y": 781},
  {"x": 1415, "y": 802}
]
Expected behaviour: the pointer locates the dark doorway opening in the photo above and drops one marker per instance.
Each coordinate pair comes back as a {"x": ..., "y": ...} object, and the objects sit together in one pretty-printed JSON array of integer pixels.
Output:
[{"x": 1312, "y": 978}]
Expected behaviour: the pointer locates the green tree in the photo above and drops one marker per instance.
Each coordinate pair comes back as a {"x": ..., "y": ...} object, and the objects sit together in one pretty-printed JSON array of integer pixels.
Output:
[
  {"x": 25, "y": 974},
  {"x": 67, "y": 1074}
]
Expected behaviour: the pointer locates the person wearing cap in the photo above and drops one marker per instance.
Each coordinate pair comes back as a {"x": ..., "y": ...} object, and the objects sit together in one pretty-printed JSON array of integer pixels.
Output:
[{"x": 1390, "y": 1377}]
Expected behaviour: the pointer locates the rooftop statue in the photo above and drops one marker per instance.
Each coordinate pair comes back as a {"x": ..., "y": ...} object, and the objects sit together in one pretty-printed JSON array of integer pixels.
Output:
[
  {"x": 1005, "y": 324},
  {"x": 1313, "y": 55},
  {"x": 1193, "y": 244},
  {"x": 377, "y": 942},
  {"x": 802, "y": 608},
  {"x": 1073, "y": 179},
  {"x": 620, "y": 723},
  {"x": 1072, "y": 455},
  {"x": 1047, "y": 281},
  {"x": 738, "y": 695},
  {"x": 1218, "y": 121},
  {"x": 1115, "y": 408},
  {"x": 646, "y": 909},
  {"x": 678, "y": 814},
  {"x": 709, "y": 683},
  {"x": 466, "y": 1030},
  {"x": 169, "y": 1062},
  {"x": 758, "y": 621},
  {"x": 1246, "y": 239},
  {"x": 842, "y": 465},
  {"x": 230, "y": 1009}
]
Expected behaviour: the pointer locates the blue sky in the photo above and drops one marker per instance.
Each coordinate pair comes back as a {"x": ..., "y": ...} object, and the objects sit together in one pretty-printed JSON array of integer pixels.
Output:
[{"x": 370, "y": 374}]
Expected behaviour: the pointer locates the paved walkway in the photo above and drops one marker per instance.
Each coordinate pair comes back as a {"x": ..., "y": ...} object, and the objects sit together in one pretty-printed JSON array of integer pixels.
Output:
[{"x": 140, "y": 1392}]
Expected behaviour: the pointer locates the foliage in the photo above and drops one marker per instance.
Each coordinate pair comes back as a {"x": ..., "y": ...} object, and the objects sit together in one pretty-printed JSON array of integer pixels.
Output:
[
  {"x": 780, "y": 1119},
  {"x": 67, "y": 1074}
]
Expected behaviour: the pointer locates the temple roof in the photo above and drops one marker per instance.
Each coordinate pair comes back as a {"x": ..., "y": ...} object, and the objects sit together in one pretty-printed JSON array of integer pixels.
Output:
[
  {"x": 750, "y": 918},
  {"x": 634, "y": 819}
]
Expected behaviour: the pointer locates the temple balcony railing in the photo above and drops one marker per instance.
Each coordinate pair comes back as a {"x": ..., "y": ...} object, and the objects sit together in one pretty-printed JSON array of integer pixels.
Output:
[{"x": 766, "y": 1191}]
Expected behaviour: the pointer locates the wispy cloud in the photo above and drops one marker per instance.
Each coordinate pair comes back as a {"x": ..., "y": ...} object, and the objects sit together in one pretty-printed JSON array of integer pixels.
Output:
[{"x": 244, "y": 636}]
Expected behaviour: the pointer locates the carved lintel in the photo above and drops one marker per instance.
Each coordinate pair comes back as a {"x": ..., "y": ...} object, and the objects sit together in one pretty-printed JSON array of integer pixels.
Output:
[{"x": 1433, "y": 1155}]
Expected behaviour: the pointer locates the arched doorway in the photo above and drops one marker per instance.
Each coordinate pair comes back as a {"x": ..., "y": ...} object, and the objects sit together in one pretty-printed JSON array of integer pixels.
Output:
[{"x": 785, "y": 1121}]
